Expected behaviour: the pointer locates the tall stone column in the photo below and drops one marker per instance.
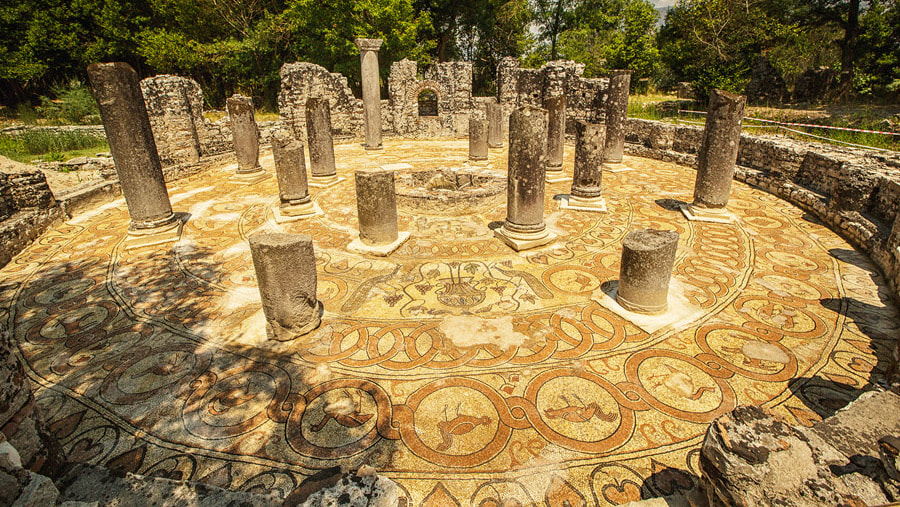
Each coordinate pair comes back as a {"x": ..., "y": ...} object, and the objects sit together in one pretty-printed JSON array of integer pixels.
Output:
[
  {"x": 495, "y": 124},
  {"x": 556, "y": 137},
  {"x": 286, "y": 274},
  {"x": 290, "y": 170},
  {"x": 321, "y": 142},
  {"x": 586, "y": 193},
  {"x": 245, "y": 135},
  {"x": 717, "y": 157},
  {"x": 116, "y": 89},
  {"x": 478, "y": 138},
  {"x": 376, "y": 204},
  {"x": 371, "y": 90},
  {"x": 648, "y": 257},
  {"x": 524, "y": 226},
  {"x": 616, "y": 115}
]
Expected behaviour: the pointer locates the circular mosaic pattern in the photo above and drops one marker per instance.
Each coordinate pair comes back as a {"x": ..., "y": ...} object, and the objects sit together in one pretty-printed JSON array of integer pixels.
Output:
[{"x": 155, "y": 360}]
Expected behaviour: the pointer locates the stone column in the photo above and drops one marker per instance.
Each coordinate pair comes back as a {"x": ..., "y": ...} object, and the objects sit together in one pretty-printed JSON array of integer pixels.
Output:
[
  {"x": 245, "y": 134},
  {"x": 648, "y": 257},
  {"x": 586, "y": 193},
  {"x": 616, "y": 115},
  {"x": 495, "y": 124},
  {"x": 556, "y": 137},
  {"x": 286, "y": 274},
  {"x": 290, "y": 169},
  {"x": 524, "y": 227},
  {"x": 376, "y": 204},
  {"x": 116, "y": 89},
  {"x": 478, "y": 138},
  {"x": 371, "y": 90},
  {"x": 718, "y": 152},
  {"x": 321, "y": 144}
]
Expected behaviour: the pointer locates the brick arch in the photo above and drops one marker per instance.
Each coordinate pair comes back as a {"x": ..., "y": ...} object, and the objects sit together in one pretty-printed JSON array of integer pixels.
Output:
[{"x": 425, "y": 85}]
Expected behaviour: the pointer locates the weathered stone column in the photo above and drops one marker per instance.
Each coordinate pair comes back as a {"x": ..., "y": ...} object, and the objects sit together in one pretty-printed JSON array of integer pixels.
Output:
[
  {"x": 371, "y": 90},
  {"x": 718, "y": 156},
  {"x": 616, "y": 115},
  {"x": 495, "y": 124},
  {"x": 244, "y": 132},
  {"x": 321, "y": 143},
  {"x": 286, "y": 274},
  {"x": 290, "y": 169},
  {"x": 586, "y": 193},
  {"x": 478, "y": 138},
  {"x": 556, "y": 137},
  {"x": 376, "y": 204},
  {"x": 116, "y": 89},
  {"x": 524, "y": 227},
  {"x": 648, "y": 257}
]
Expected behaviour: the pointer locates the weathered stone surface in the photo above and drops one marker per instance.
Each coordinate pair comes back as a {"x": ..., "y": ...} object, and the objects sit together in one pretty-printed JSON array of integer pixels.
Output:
[
  {"x": 37, "y": 491},
  {"x": 245, "y": 133},
  {"x": 556, "y": 131},
  {"x": 285, "y": 267},
  {"x": 590, "y": 140},
  {"x": 371, "y": 90},
  {"x": 88, "y": 483},
  {"x": 321, "y": 143},
  {"x": 616, "y": 115},
  {"x": 718, "y": 153},
  {"x": 290, "y": 169},
  {"x": 526, "y": 170},
  {"x": 648, "y": 257},
  {"x": 495, "y": 121},
  {"x": 175, "y": 107},
  {"x": 300, "y": 81},
  {"x": 451, "y": 84},
  {"x": 478, "y": 143},
  {"x": 118, "y": 94},
  {"x": 750, "y": 457},
  {"x": 766, "y": 84},
  {"x": 854, "y": 188},
  {"x": 376, "y": 203},
  {"x": 332, "y": 487}
]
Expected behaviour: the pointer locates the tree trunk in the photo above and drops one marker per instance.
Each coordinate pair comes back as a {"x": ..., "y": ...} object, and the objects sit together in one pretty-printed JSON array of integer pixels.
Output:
[{"x": 848, "y": 46}]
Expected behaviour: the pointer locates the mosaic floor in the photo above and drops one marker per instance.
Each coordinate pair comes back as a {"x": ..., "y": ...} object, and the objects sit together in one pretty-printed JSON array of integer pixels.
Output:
[{"x": 155, "y": 360}]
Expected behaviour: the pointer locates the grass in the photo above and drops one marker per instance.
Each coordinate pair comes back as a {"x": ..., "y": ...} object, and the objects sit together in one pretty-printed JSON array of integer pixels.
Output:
[
  {"x": 665, "y": 108},
  {"x": 50, "y": 145}
]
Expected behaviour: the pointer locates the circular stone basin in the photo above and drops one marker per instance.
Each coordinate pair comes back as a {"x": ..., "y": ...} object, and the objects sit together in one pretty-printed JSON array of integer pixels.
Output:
[{"x": 449, "y": 190}]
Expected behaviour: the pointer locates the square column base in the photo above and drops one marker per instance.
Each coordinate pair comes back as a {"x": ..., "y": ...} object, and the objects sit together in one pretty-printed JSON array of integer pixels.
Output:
[
  {"x": 597, "y": 204},
  {"x": 324, "y": 182},
  {"x": 617, "y": 167},
  {"x": 249, "y": 178},
  {"x": 357, "y": 246},
  {"x": 700, "y": 214},
  {"x": 142, "y": 238},
  {"x": 679, "y": 313},
  {"x": 294, "y": 213},
  {"x": 518, "y": 241},
  {"x": 557, "y": 176}
]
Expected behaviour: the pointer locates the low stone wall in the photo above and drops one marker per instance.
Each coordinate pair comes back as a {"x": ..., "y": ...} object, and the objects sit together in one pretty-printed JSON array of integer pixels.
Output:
[
  {"x": 451, "y": 83},
  {"x": 27, "y": 209},
  {"x": 855, "y": 192}
]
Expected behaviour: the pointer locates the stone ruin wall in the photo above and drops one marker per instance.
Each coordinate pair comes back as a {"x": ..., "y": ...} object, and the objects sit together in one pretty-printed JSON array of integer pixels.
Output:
[
  {"x": 451, "y": 83},
  {"x": 300, "y": 81},
  {"x": 175, "y": 107},
  {"x": 27, "y": 209},
  {"x": 585, "y": 97}
]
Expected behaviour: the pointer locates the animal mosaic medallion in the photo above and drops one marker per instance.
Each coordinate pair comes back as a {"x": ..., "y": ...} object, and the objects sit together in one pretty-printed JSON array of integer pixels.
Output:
[{"x": 467, "y": 372}]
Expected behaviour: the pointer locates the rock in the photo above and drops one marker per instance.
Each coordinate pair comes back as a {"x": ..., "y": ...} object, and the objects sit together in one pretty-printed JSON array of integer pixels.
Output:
[
  {"x": 39, "y": 491},
  {"x": 77, "y": 161},
  {"x": 331, "y": 488},
  {"x": 750, "y": 457}
]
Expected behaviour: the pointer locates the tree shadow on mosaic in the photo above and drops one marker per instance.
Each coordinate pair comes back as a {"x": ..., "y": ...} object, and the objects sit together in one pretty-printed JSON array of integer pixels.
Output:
[{"x": 148, "y": 369}]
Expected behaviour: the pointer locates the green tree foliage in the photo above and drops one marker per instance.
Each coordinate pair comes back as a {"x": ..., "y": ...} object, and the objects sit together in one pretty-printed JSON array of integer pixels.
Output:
[{"x": 879, "y": 49}]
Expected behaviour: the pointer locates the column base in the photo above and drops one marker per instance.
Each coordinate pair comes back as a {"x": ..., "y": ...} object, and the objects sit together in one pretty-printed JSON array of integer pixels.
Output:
[
  {"x": 615, "y": 167},
  {"x": 696, "y": 213},
  {"x": 249, "y": 178},
  {"x": 555, "y": 176},
  {"x": 679, "y": 313},
  {"x": 324, "y": 181},
  {"x": 495, "y": 146},
  {"x": 477, "y": 159},
  {"x": 296, "y": 212},
  {"x": 282, "y": 334},
  {"x": 374, "y": 148},
  {"x": 524, "y": 241},
  {"x": 402, "y": 166},
  {"x": 357, "y": 246},
  {"x": 597, "y": 204},
  {"x": 168, "y": 233}
]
